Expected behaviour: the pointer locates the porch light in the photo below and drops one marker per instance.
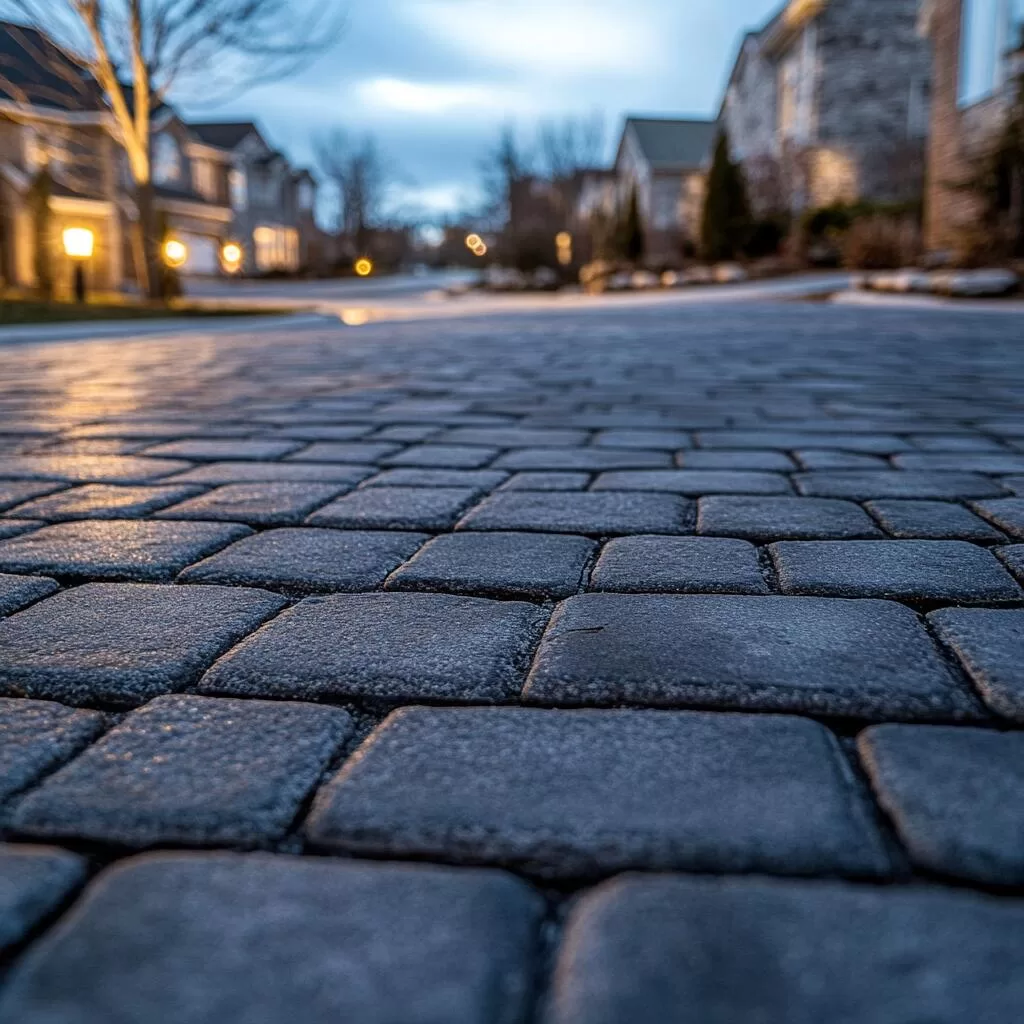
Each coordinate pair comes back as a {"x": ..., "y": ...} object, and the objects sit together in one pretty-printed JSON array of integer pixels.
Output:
[
  {"x": 78, "y": 246},
  {"x": 231, "y": 257},
  {"x": 364, "y": 267},
  {"x": 175, "y": 253}
]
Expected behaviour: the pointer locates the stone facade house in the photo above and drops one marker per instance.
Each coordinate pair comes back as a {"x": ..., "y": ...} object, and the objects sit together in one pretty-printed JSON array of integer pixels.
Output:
[
  {"x": 977, "y": 46},
  {"x": 828, "y": 102},
  {"x": 666, "y": 162}
]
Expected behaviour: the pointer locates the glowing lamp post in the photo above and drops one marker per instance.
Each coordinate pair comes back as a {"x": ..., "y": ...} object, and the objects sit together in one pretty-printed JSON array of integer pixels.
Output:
[
  {"x": 364, "y": 267},
  {"x": 231, "y": 257},
  {"x": 476, "y": 245},
  {"x": 563, "y": 242},
  {"x": 175, "y": 253},
  {"x": 78, "y": 245}
]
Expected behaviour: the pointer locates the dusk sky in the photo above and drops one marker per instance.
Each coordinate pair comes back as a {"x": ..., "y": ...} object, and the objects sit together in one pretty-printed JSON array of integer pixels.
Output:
[{"x": 435, "y": 79}]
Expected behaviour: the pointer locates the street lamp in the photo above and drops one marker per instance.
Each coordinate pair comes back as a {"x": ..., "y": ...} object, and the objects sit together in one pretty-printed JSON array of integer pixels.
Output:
[
  {"x": 563, "y": 241},
  {"x": 364, "y": 267},
  {"x": 78, "y": 245}
]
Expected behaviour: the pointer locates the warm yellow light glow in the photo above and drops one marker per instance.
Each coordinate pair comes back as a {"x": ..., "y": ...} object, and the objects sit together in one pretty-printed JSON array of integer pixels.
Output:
[
  {"x": 474, "y": 242},
  {"x": 175, "y": 253},
  {"x": 564, "y": 242},
  {"x": 364, "y": 267},
  {"x": 355, "y": 317},
  {"x": 480, "y": 250},
  {"x": 78, "y": 243},
  {"x": 231, "y": 257}
]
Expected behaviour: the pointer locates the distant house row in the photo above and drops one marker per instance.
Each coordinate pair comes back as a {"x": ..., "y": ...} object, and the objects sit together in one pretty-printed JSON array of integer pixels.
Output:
[
  {"x": 836, "y": 101},
  {"x": 214, "y": 182}
]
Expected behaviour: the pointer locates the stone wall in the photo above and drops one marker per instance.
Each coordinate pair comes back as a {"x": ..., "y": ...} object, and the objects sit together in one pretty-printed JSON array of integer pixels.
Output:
[{"x": 874, "y": 87}]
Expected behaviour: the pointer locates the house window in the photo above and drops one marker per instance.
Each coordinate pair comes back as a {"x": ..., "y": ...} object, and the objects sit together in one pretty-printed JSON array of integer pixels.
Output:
[
  {"x": 306, "y": 195},
  {"x": 991, "y": 30},
  {"x": 238, "y": 186},
  {"x": 276, "y": 248},
  {"x": 204, "y": 178},
  {"x": 166, "y": 160}
]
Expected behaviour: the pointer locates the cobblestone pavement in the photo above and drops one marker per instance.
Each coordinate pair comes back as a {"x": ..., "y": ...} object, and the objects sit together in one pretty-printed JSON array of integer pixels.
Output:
[{"x": 576, "y": 669}]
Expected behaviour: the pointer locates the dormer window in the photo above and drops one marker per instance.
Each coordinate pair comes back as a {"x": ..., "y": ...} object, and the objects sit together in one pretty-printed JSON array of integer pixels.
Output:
[{"x": 166, "y": 160}]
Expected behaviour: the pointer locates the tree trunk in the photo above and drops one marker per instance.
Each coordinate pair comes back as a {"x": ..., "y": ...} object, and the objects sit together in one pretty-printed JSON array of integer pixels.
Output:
[
  {"x": 42, "y": 227},
  {"x": 146, "y": 244}
]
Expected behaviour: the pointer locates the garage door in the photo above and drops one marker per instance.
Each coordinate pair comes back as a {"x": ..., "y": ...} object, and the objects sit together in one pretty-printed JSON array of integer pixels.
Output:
[{"x": 202, "y": 254}]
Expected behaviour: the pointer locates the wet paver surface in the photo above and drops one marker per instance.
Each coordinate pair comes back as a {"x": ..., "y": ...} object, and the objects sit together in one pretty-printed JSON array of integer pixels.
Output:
[{"x": 649, "y": 666}]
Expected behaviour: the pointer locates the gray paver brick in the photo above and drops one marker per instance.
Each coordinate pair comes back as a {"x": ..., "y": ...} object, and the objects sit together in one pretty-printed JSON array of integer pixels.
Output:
[
  {"x": 37, "y": 736},
  {"x": 105, "y": 501},
  {"x": 513, "y": 437},
  {"x": 261, "y": 472},
  {"x": 876, "y": 444},
  {"x": 480, "y": 480},
  {"x": 679, "y": 564},
  {"x": 1006, "y": 513},
  {"x": 17, "y": 527},
  {"x": 17, "y": 492},
  {"x": 397, "y": 508},
  {"x": 914, "y": 570},
  {"x": 195, "y": 770},
  {"x": 184, "y": 939},
  {"x": 541, "y": 481},
  {"x": 870, "y": 659},
  {"x": 897, "y": 483},
  {"x": 694, "y": 482},
  {"x": 34, "y": 881},
  {"x": 972, "y": 462},
  {"x": 582, "y": 512},
  {"x": 582, "y": 793},
  {"x": 262, "y": 504},
  {"x": 342, "y": 451},
  {"x": 124, "y": 643},
  {"x": 990, "y": 645},
  {"x": 742, "y": 951},
  {"x": 582, "y": 459},
  {"x": 670, "y": 440},
  {"x": 309, "y": 560},
  {"x": 1013, "y": 558},
  {"x": 931, "y": 520},
  {"x": 712, "y": 458},
  {"x": 764, "y": 519},
  {"x": 956, "y": 797},
  {"x": 219, "y": 449},
  {"x": 18, "y": 591},
  {"x": 101, "y": 469},
  {"x": 442, "y": 456},
  {"x": 124, "y": 549},
  {"x": 391, "y": 646},
  {"x": 528, "y": 565}
]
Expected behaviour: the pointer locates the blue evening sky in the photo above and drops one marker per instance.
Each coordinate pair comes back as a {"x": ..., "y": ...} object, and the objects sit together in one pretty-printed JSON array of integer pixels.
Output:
[{"x": 435, "y": 79}]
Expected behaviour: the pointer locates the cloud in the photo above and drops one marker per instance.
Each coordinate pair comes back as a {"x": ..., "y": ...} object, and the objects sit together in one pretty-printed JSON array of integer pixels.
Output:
[{"x": 432, "y": 98}]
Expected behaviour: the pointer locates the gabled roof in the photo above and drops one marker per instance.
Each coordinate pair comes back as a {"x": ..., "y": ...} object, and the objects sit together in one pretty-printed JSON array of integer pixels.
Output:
[
  {"x": 224, "y": 134},
  {"x": 673, "y": 145},
  {"x": 35, "y": 71}
]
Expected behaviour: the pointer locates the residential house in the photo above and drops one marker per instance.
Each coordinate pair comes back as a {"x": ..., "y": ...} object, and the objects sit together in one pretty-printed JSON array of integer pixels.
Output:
[
  {"x": 210, "y": 186},
  {"x": 665, "y": 161},
  {"x": 273, "y": 204},
  {"x": 51, "y": 117},
  {"x": 828, "y": 102},
  {"x": 977, "y": 47}
]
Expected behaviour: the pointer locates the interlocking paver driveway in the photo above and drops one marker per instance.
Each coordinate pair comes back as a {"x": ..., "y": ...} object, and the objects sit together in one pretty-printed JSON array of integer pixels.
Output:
[{"x": 454, "y": 622}]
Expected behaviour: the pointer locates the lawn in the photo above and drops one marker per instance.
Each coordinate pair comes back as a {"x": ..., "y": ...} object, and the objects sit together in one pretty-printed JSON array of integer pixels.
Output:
[{"x": 16, "y": 310}]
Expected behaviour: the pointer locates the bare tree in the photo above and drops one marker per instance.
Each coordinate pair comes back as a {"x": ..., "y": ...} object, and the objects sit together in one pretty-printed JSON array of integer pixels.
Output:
[
  {"x": 137, "y": 51},
  {"x": 360, "y": 177},
  {"x": 571, "y": 145}
]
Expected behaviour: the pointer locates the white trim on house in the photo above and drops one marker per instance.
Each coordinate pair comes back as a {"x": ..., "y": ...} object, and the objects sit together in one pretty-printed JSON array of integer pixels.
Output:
[
  {"x": 78, "y": 204},
  {"x": 35, "y": 112},
  {"x": 200, "y": 211}
]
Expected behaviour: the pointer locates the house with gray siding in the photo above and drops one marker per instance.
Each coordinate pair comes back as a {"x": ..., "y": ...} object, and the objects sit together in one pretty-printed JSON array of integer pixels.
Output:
[{"x": 829, "y": 102}]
